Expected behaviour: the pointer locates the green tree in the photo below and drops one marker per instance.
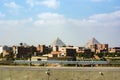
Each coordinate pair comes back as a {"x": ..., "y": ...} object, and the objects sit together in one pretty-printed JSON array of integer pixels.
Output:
[
  {"x": 80, "y": 54},
  {"x": 100, "y": 55}
]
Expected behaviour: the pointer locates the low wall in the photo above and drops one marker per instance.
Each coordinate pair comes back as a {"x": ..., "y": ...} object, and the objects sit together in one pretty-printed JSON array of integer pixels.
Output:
[{"x": 64, "y": 73}]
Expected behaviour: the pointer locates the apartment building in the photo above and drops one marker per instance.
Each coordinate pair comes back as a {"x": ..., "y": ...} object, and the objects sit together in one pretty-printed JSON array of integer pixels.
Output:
[
  {"x": 64, "y": 52},
  {"x": 42, "y": 49},
  {"x": 114, "y": 50},
  {"x": 102, "y": 48},
  {"x": 23, "y": 51},
  {"x": 96, "y": 46}
]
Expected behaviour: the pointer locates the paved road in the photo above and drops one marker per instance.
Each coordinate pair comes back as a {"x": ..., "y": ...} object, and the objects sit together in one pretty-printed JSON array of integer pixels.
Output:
[{"x": 62, "y": 68}]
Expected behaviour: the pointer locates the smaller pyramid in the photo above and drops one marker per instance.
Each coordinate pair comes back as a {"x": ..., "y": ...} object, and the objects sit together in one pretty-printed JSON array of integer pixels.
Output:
[
  {"x": 58, "y": 42},
  {"x": 92, "y": 41}
]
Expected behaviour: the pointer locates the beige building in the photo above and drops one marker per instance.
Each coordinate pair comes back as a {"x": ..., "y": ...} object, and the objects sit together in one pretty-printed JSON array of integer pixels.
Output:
[
  {"x": 1, "y": 49},
  {"x": 63, "y": 52},
  {"x": 56, "y": 54},
  {"x": 114, "y": 50},
  {"x": 95, "y": 46},
  {"x": 38, "y": 58},
  {"x": 79, "y": 49},
  {"x": 101, "y": 48},
  {"x": 41, "y": 48},
  {"x": 6, "y": 50}
]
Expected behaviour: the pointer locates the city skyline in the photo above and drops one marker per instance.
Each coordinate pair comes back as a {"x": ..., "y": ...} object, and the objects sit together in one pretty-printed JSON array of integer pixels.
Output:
[{"x": 74, "y": 21}]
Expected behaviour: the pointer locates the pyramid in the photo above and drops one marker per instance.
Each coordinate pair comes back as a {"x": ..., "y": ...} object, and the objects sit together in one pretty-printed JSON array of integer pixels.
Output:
[
  {"x": 92, "y": 41},
  {"x": 58, "y": 42}
]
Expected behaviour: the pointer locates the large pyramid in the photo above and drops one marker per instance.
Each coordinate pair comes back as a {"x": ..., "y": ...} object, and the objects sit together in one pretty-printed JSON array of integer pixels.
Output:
[
  {"x": 92, "y": 41},
  {"x": 58, "y": 42}
]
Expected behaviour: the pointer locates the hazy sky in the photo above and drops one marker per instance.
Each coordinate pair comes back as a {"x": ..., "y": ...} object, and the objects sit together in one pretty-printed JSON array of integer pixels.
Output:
[{"x": 74, "y": 21}]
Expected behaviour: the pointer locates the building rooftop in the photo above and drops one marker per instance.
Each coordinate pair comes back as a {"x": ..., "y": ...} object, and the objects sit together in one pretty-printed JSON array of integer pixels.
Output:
[
  {"x": 58, "y": 42},
  {"x": 92, "y": 41}
]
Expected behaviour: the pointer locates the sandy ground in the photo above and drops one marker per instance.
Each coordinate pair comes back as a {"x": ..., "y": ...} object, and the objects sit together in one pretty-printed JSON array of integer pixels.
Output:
[{"x": 59, "y": 73}]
